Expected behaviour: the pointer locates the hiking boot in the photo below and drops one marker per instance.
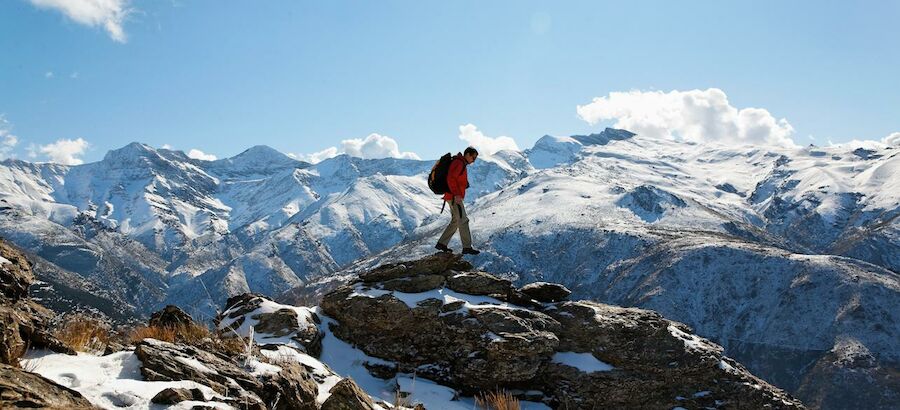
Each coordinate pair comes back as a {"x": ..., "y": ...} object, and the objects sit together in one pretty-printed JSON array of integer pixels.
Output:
[
  {"x": 470, "y": 251},
  {"x": 443, "y": 248}
]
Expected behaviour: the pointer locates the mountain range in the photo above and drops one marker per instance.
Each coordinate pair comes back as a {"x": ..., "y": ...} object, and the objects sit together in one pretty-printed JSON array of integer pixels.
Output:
[{"x": 788, "y": 258}]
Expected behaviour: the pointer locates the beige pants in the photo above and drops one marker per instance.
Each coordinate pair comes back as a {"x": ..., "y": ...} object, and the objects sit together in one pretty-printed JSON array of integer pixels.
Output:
[{"x": 458, "y": 220}]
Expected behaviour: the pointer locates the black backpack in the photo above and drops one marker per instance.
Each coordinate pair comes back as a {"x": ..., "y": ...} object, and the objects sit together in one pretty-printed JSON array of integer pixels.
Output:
[{"x": 437, "y": 179}]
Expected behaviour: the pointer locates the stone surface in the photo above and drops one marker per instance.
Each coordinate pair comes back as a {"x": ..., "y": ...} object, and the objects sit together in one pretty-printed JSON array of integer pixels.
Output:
[
  {"x": 478, "y": 283},
  {"x": 429, "y": 265},
  {"x": 290, "y": 389},
  {"x": 546, "y": 292},
  {"x": 414, "y": 284},
  {"x": 346, "y": 395},
  {"x": 173, "y": 395},
  {"x": 499, "y": 338},
  {"x": 21, "y": 389}
]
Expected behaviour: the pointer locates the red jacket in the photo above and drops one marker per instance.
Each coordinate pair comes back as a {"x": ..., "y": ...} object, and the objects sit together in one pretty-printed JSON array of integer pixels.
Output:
[{"x": 457, "y": 179}]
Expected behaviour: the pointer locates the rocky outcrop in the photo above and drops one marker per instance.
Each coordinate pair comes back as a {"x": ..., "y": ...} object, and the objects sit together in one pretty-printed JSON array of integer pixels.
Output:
[
  {"x": 272, "y": 321},
  {"x": 23, "y": 323},
  {"x": 287, "y": 386},
  {"x": 171, "y": 316},
  {"x": 21, "y": 389},
  {"x": 346, "y": 395},
  {"x": 578, "y": 354},
  {"x": 546, "y": 292}
]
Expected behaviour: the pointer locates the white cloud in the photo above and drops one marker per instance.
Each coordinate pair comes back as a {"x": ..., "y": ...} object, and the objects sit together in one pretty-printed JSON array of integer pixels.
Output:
[
  {"x": 372, "y": 147},
  {"x": 484, "y": 144},
  {"x": 110, "y": 14},
  {"x": 64, "y": 151},
  {"x": 166, "y": 146},
  {"x": 74, "y": 75},
  {"x": 317, "y": 157},
  {"x": 197, "y": 154},
  {"x": 48, "y": 74},
  {"x": 892, "y": 140},
  {"x": 8, "y": 141},
  {"x": 695, "y": 115}
]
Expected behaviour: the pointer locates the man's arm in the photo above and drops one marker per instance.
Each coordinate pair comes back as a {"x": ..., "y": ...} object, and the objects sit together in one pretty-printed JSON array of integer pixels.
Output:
[{"x": 453, "y": 179}]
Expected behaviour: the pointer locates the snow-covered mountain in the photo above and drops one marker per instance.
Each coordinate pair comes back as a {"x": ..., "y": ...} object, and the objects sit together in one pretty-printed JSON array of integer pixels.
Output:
[{"x": 786, "y": 257}]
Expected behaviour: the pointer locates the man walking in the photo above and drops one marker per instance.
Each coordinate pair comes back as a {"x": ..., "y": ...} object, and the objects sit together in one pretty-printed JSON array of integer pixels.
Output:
[{"x": 457, "y": 182}]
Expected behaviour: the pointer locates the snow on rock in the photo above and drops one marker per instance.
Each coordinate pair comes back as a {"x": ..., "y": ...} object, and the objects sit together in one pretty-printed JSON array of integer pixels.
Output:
[{"x": 585, "y": 362}]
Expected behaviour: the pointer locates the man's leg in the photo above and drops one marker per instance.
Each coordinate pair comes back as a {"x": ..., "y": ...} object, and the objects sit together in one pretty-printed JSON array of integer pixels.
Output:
[
  {"x": 451, "y": 228},
  {"x": 464, "y": 235}
]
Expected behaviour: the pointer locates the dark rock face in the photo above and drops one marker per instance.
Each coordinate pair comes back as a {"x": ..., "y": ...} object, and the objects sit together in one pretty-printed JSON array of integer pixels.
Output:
[
  {"x": 283, "y": 322},
  {"x": 346, "y": 395},
  {"x": 623, "y": 358},
  {"x": 23, "y": 323},
  {"x": 435, "y": 264},
  {"x": 15, "y": 274},
  {"x": 174, "y": 395},
  {"x": 171, "y": 316},
  {"x": 478, "y": 283},
  {"x": 546, "y": 292},
  {"x": 289, "y": 388},
  {"x": 21, "y": 389}
]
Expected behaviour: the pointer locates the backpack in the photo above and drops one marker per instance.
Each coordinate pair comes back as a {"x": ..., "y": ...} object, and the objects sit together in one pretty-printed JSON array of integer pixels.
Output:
[{"x": 437, "y": 179}]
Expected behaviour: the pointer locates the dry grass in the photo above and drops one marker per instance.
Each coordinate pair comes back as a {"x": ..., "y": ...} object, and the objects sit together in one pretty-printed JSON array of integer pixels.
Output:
[
  {"x": 82, "y": 333},
  {"x": 191, "y": 334},
  {"x": 498, "y": 400}
]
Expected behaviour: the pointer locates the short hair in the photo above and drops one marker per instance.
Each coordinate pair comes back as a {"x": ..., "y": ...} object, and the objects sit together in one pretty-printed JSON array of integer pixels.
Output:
[{"x": 470, "y": 150}]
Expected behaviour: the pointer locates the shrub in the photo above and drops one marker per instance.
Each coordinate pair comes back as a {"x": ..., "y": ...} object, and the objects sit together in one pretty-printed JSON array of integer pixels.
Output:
[
  {"x": 190, "y": 334},
  {"x": 82, "y": 333},
  {"x": 498, "y": 400}
]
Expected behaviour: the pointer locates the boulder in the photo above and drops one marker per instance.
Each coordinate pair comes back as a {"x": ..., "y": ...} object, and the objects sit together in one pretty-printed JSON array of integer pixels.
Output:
[
  {"x": 478, "y": 283},
  {"x": 471, "y": 346},
  {"x": 346, "y": 395},
  {"x": 171, "y": 316},
  {"x": 21, "y": 389},
  {"x": 414, "y": 284},
  {"x": 277, "y": 321},
  {"x": 292, "y": 388},
  {"x": 174, "y": 395},
  {"x": 162, "y": 361},
  {"x": 546, "y": 292}
]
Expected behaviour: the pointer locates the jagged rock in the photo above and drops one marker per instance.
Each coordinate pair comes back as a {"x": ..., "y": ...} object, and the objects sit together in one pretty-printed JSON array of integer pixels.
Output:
[
  {"x": 21, "y": 389},
  {"x": 546, "y": 292},
  {"x": 429, "y": 265},
  {"x": 579, "y": 354},
  {"x": 478, "y": 283},
  {"x": 346, "y": 395},
  {"x": 276, "y": 322},
  {"x": 173, "y": 395},
  {"x": 162, "y": 361},
  {"x": 23, "y": 323},
  {"x": 474, "y": 347},
  {"x": 414, "y": 284},
  {"x": 171, "y": 316},
  {"x": 658, "y": 363},
  {"x": 15, "y": 274},
  {"x": 290, "y": 389}
]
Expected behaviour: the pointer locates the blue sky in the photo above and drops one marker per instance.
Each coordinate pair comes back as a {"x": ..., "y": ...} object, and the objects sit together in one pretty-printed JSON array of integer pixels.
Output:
[{"x": 303, "y": 76}]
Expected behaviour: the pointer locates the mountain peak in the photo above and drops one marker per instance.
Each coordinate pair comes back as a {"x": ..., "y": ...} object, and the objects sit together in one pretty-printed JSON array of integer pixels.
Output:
[{"x": 130, "y": 151}]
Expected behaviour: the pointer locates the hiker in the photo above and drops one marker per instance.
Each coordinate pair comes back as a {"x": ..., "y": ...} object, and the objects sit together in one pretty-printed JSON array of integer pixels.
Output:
[{"x": 457, "y": 182}]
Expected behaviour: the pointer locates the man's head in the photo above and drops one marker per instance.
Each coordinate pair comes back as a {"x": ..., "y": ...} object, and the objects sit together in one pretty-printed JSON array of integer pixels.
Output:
[{"x": 470, "y": 154}]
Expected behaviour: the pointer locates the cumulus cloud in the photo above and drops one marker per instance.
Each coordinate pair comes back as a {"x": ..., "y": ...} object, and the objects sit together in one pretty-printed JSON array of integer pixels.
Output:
[
  {"x": 197, "y": 154},
  {"x": 109, "y": 14},
  {"x": 64, "y": 151},
  {"x": 892, "y": 140},
  {"x": 695, "y": 115},
  {"x": 484, "y": 144},
  {"x": 373, "y": 146},
  {"x": 8, "y": 141}
]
